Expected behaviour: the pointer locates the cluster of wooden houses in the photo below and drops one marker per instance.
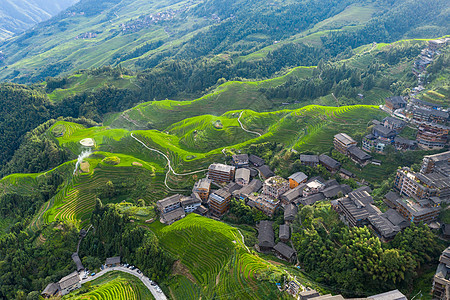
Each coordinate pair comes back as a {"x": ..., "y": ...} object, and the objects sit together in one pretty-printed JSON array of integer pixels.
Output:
[
  {"x": 73, "y": 281},
  {"x": 430, "y": 120}
]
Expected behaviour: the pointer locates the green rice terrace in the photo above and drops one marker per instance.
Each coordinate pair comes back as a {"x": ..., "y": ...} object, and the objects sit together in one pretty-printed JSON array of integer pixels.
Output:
[
  {"x": 220, "y": 266},
  {"x": 190, "y": 144},
  {"x": 112, "y": 286}
]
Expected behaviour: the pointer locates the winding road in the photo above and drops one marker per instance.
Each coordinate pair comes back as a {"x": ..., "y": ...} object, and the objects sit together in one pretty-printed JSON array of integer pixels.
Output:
[
  {"x": 168, "y": 163},
  {"x": 242, "y": 126},
  {"x": 145, "y": 280}
]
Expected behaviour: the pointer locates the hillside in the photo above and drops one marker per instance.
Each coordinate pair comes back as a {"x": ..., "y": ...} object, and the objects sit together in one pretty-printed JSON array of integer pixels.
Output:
[
  {"x": 221, "y": 265},
  {"x": 18, "y": 16},
  {"x": 143, "y": 34}
]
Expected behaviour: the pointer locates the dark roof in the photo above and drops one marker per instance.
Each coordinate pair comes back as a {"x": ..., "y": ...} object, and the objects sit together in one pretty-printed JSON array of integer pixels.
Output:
[
  {"x": 358, "y": 153},
  {"x": 185, "y": 201},
  {"x": 318, "y": 178},
  {"x": 290, "y": 211},
  {"x": 50, "y": 289},
  {"x": 309, "y": 158},
  {"x": 325, "y": 159},
  {"x": 446, "y": 229},
  {"x": 77, "y": 261},
  {"x": 265, "y": 171},
  {"x": 391, "y": 295},
  {"x": 395, "y": 121},
  {"x": 223, "y": 192},
  {"x": 231, "y": 187},
  {"x": 162, "y": 204},
  {"x": 69, "y": 280},
  {"x": 284, "y": 232},
  {"x": 362, "y": 196},
  {"x": 392, "y": 196},
  {"x": 432, "y": 112},
  {"x": 383, "y": 226},
  {"x": 240, "y": 158},
  {"x": 254, "y": 186},
  {"x": 330, "y": 183},
  {"x": 266, "y": 235},
  {"x": 346, "y": 172},
  {"x": 333, "y": 191},
  {"x": 294, "y": 193},
  {"x": 173, "y": 215},
  {"x": 298, "y": 177},
  {"x": 402, "y": 140},
  {"x": 424, "y": 103},
  {"x": 115, "y": 260},
  {"x": 201, "y": 210},
  {"x": 383, "y": 131},
  {"x": 256, "y": 160},
  {"x": 396, "y": 219},
  {"x": 396, "y": 100},
  {"x": 284, "y": 250},
  {"x": 310, "y": 200}
]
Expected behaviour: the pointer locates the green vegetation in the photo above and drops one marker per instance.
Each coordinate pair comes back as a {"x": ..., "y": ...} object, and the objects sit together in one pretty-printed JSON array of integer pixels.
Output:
[
  {"x": 112, "y": 285},
  {"x": 218, "y": 265},
  {"x": 366, "y": 265}
]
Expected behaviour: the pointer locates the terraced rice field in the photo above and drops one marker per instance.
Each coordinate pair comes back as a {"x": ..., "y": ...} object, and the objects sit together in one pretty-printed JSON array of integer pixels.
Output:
[
  {"x": 219, "y": 266},
  {"x": 76, "y": 200},
  {"x": 113, "y": 286}
]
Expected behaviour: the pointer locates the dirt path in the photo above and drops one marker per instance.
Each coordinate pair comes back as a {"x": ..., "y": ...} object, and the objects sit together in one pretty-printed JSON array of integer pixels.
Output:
[
  {"x": 242, "y": 126},
  {"x": 169, "y": 164}
]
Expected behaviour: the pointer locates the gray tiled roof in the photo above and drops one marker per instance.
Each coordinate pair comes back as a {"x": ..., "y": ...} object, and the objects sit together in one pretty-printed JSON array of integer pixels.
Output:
[{"x": 266, "y": 235}]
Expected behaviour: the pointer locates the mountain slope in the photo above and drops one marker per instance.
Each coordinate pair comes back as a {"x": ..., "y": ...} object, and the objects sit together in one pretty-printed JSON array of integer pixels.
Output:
[
  {"x": 143, "y": 34},
  {"x": 19, "y": 15}
]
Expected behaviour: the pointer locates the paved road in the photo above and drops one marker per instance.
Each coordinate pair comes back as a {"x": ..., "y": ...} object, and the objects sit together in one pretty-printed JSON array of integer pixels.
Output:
[{"x": 145, "y": 280}]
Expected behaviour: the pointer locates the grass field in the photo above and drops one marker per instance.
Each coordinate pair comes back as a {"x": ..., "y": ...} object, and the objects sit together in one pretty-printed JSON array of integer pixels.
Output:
[
  {"x": 219, "y": 266},
  {"x": 112, "y": 286}
]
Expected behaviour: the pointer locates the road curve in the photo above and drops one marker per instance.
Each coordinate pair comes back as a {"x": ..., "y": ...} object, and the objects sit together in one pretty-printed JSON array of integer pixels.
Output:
[
  {"x": 168, "y": 163},
  {"x": 145, "y": 280},
  {"x": 242, "y": 126}
]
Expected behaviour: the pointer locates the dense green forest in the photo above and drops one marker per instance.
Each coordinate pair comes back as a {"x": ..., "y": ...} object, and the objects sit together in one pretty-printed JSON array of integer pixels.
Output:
[{"x": 353, "y": 261}]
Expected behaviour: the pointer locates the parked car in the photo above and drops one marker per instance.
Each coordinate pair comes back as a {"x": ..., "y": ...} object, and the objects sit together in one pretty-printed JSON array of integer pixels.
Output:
[
  {"x": 133, "y": 268},
  {"x": 93, "y": 274},
  {"x": 139, "y": 271},
  {"x": 152, "y": 283}
]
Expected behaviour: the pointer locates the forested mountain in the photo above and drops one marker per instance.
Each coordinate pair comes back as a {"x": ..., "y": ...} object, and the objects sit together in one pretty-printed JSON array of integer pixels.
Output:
[
  {"x": 17, "y": 16},
  {"x": 142, "y": 34}
]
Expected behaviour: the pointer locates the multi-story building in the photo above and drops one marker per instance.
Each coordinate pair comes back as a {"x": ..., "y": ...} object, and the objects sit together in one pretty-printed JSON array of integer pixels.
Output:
[
  {"x": 309, "y": 160},
  {"x": 383, "y": 133},
  {"x": 170, "y": 203},
  {"x": 330, "y": 164},
  {"x": 396, "y": 102},
  {"x": 264, "y": 203},
  {"x": 219, "y": 202},
  {"x": 421, "y": 115},
  {"x": 433, "y": 45},
  {"x": 313, "y": 187},
  {"x": 371, "y": 142},
  {"x": 417, "y": 211},
  {"x": 433, "y": 135},
  {"x": 297, "y": 178},
  {"x": 202, "y": 188},
  {"x": 401, "y": 143},
  {"x": 439, "y": 163},
  {"x": 358, "y": 156},
  {"x": 441, "y": 280},
  {"x": 221, "y": 173},
  {"x": 275, "y": 186},
  {"x": 342, "y": 142},
  {"x": 242, "y": 176},
  {"x": 393, "y": 123},
  {"x": 240, "y": 160}
]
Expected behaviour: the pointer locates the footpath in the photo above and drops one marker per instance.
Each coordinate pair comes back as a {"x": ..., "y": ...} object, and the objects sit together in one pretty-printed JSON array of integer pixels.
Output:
[{"x": 145, "y": 280}]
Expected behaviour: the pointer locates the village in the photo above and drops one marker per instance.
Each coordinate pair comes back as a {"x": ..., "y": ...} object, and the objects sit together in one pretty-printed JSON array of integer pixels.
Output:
[{"x": 417, "y": 196}]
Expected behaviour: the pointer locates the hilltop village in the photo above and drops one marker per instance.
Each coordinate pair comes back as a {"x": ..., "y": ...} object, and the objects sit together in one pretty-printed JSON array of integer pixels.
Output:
[{"x": 416, "y": 197}]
